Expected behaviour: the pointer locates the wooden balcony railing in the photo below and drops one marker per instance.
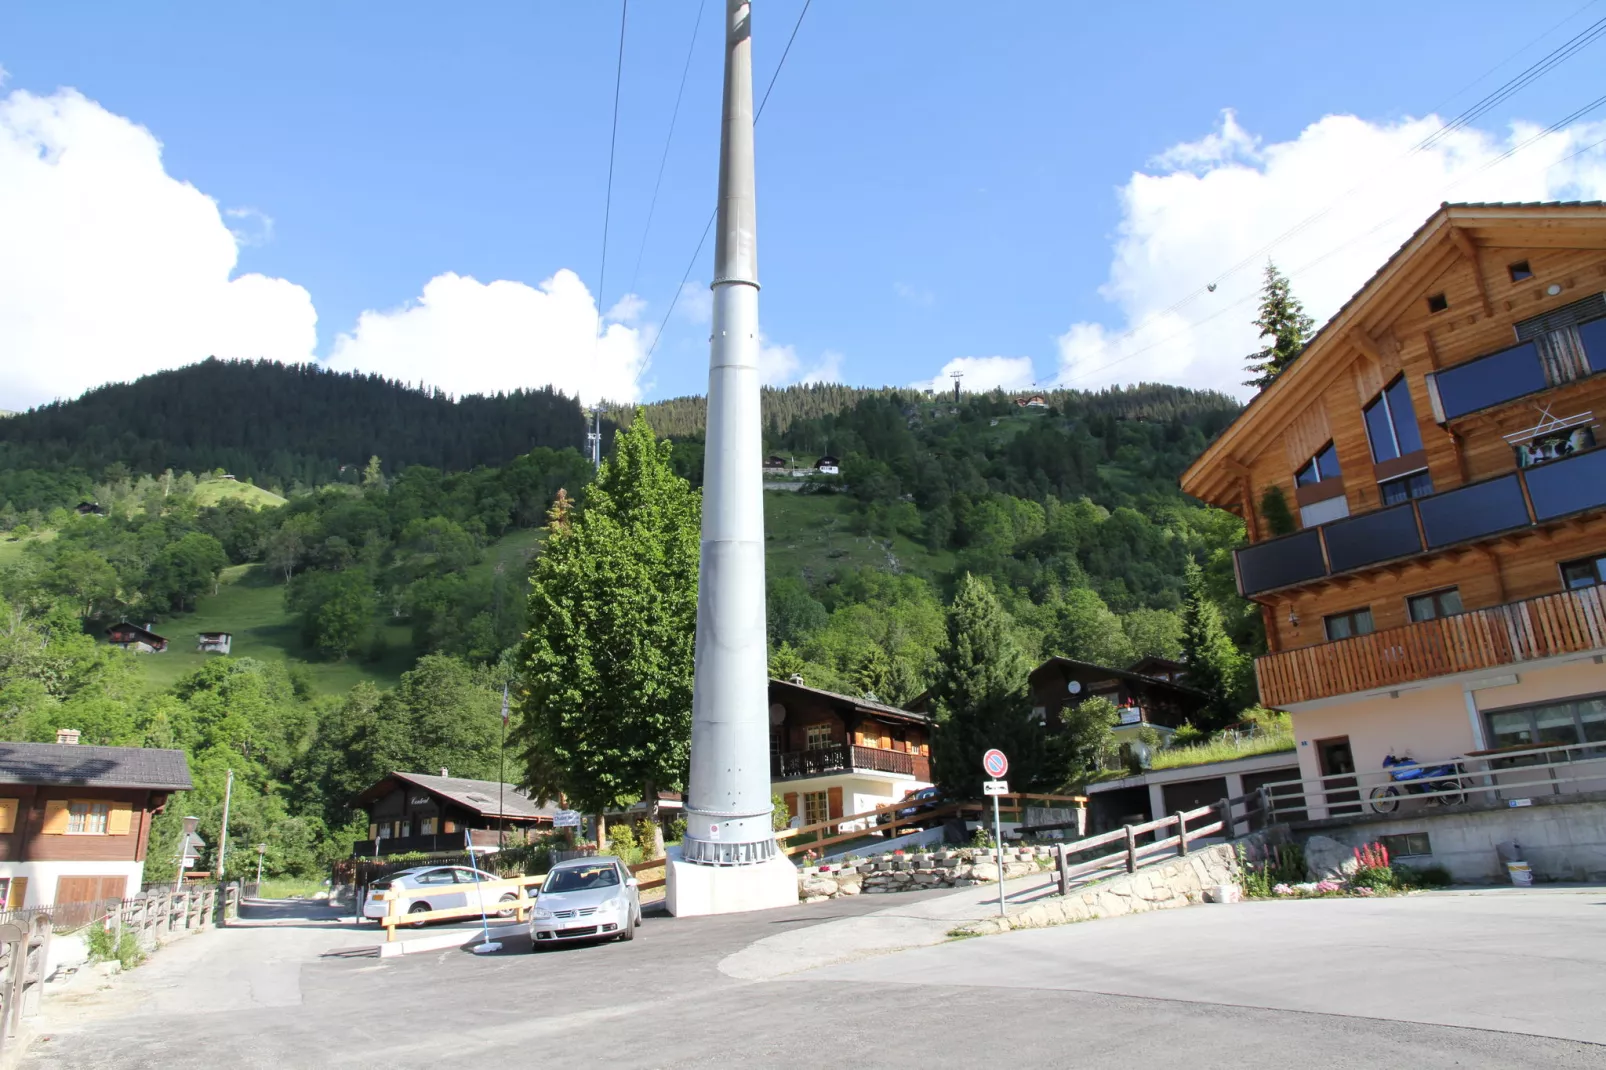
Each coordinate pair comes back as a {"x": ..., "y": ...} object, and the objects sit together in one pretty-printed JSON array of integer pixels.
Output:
[
  {"x": 1570, "y": 622},
  {"x": 841, "y": 757}
]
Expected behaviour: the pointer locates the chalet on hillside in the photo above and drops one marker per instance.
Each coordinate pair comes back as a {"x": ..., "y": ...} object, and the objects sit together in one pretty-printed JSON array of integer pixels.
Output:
[
  {"x": 89, "y": 509},
  {"x": 410, "y": 812},
  {"x": 773, "y": 464},
  {"x": 75, "y": 821},
  {"x": 828, "y": 466},
  {"x": 214, "y": 642},
  {"x": 1155, "y": 697},
  {"x": 133, "y": 637}
]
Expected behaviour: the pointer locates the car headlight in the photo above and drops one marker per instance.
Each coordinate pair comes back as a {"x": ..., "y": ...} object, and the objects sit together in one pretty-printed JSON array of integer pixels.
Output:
[{"x": 541, "y": 914}]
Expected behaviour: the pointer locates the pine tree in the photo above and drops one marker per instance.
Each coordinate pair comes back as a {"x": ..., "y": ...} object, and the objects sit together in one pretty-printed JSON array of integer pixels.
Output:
[
  {"x": 1215, "y": 666},
  {"x": 608, "y": 659},
  {"x": 1284, "y": 323},
  {"x": 981, "y": 701}
]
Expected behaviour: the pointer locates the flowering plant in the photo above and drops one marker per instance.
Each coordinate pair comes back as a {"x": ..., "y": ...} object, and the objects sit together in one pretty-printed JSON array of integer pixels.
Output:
[
  {"x": 1282, "y": 889},
  {"x": 1372, "y": 856},
  {"x": 1327, "y": 886},
  {"x": 1365, "y": 892}
]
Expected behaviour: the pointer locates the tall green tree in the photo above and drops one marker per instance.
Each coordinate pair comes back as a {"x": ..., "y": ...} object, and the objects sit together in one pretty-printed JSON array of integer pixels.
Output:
[
  {"x": 1284, "y": 327},
  {"x": 186, "y": 569},
  {"x": 980, "y": 699},
  {"x": 1215, "y": 665},
  {"x": 608, "y": 659}
]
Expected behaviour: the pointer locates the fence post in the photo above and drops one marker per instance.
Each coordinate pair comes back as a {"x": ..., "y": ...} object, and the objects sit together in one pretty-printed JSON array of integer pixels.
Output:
[
  {"x": 1182, "y": 834},
  {"x": 1263, "y": 802},
  {"x": 1131, "y": 850},
  {"x": 1228, "y": 829},
  {"x": 1062, "y": 869},
  {"x": 392, "y": 914}
]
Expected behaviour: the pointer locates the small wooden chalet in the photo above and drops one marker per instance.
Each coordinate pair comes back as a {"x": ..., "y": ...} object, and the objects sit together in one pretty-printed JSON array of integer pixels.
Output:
[
  {"x": 773, "y": 464},
  {"x": 828, "y": 466},
  {"x": 832, "y": 754},
  {"x": 1155, "y": 697},
  {"x": 410, "y": 812},
  {"x": 133, "y": 637},
  {"x": 214, "y": 642},
  {"x": 89, "y": 509},
  {"x": 75, "y": 821}
]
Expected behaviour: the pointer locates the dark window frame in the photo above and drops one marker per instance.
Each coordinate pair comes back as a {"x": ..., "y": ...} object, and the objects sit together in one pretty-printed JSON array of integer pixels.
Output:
[
  {"x": 1407, "y": 844},
  {"x": 1520, "y": 271},
  {"x": 1438, "y": 303},
  {"x": 1533, "y": 709},
  {"x": 1317, "y": 467},
  {"x": 1436, "y": 597},
  {"x": 1597, "y": 562},
  {"x": 1417, "y": 484},
  {"x": 1389, "y": 400},
  {"x": 1351, "y": 617}
]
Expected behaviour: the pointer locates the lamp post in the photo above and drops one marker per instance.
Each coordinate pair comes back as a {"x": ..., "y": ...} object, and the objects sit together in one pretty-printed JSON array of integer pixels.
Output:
[{"x": 262, "y": 849}]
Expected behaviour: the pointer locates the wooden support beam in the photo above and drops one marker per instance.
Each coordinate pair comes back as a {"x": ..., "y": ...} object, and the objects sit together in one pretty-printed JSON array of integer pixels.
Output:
[
  {"x": 1366, "y": 344},
  {"x": 1464, "y": 243}
]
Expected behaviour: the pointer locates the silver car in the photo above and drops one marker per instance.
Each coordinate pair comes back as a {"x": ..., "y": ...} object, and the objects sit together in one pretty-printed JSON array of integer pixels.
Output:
[
  {"x": 586, "y": 899},
  {"x": 447, "y": 887}
]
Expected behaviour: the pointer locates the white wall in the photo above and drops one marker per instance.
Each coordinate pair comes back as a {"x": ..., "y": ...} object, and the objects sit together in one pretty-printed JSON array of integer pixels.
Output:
[{"x": 42, "y": 876}]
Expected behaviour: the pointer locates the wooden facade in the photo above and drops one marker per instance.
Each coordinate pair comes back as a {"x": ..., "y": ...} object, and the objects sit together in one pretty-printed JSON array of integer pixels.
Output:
[
  {"x": 1155, "y": 697},
  {"x": 412, "y": 812},
  {"x": 1485, "y": 518}
]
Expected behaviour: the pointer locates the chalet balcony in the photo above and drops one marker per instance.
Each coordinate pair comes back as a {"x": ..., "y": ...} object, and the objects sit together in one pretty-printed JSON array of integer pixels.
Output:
[
  {"x": 1525, "y": 499},
  {"x": 1571, "y": 622},
  {"x": 442, "y": 843},
  {"x": 847, "y": 758}
]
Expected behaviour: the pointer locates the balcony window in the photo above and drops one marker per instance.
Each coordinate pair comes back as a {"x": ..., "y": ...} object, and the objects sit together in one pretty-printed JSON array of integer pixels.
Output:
[
  {"x": 1391, "y": 423},
  {"x": 1322, "y": 466},
  {"x": 1434, "y": 604},
  {"x": 816, "y": 807},
  {"x": 1415, "y": 485},
  {"x": 1347, "y": 625},
  {"x": 1588, "y": 572},
  {"x": 817, "y": 736},
  {"x": 1572, "y": 721}
]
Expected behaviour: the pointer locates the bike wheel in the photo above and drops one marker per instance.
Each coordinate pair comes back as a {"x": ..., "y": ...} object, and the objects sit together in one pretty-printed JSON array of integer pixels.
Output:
[
  {"x": 1454, "y": 792},
  {"x": 1385, "y": 800}
]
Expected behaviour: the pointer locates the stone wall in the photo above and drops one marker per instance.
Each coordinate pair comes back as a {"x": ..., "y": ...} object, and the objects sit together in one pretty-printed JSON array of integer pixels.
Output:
[
  {"x": 949, "y": 867},
  {"x": 1172, "y": 882}
]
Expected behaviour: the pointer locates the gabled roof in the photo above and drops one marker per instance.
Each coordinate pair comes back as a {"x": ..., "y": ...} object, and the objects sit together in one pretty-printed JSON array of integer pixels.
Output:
[
  {"x": 863, "y": 704},
  {"x": 1088, "y": 668},
  {"x": 478, "y": 795},
  {"x": 1206, "y": 477},
  {"x": 145, "y": 633},
  {"x": 84, "y": 766}
]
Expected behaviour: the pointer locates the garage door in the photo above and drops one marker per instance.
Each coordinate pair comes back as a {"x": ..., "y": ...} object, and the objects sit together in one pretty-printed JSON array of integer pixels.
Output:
[{"x": 90, "y": 889}]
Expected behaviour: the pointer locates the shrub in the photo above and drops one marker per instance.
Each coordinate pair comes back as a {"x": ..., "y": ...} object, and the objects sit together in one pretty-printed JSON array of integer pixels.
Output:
[
  {"x": 129, "y": 953},
  {"x": 677, "y": 830},
  {"x": 1187, "y": 735},
  {"x": 101, "y": 942},
  {"x": 622, "y": 842},
  {"x": 1435, "y": 876}
]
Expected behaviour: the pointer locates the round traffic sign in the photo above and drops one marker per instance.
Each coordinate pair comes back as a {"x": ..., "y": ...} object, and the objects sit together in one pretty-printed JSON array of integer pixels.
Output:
[{"x": 994, "y": 763}]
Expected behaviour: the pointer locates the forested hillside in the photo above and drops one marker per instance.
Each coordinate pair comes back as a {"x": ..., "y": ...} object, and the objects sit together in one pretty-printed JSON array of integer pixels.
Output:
[{"x": 377, "y": 608}]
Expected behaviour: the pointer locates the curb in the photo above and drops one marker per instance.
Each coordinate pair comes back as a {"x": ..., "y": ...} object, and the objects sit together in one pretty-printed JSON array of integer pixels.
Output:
[{"x": 457, "y": 938}]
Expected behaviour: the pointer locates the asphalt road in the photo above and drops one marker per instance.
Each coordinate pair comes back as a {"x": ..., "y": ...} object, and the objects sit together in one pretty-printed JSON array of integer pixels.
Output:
[{"x": 1426, "y": 982}]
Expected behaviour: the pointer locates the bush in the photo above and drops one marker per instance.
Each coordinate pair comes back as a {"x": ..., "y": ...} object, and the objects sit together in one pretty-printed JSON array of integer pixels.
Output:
[
  {"x": 677, "y": 830},
  {"x": 1187, "y": 735},
  {"x": 1435, "y": 876},
  {"x": 622, "y": 842},
  {"x": 101, "y": 942},
  {"x": 129, "y": 953}
]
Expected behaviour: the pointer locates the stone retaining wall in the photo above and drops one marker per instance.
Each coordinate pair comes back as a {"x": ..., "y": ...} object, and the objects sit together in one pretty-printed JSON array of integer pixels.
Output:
[
  {"x": 1174, "y": 882},
  {"x": 949, "y": 867}
]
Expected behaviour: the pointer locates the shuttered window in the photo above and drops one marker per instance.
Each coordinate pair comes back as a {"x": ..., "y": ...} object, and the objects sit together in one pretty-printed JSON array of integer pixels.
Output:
[
  {"x": 87, "y": 818},
  {"x": 8, "y": 817}
]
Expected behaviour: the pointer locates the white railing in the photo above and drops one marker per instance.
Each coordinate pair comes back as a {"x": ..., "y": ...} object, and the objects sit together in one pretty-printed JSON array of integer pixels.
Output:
[{"x": 1487, "y": 777}]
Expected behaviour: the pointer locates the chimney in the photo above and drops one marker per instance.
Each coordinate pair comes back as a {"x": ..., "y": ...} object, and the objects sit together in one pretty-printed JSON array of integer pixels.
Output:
[
  {"x": 150, "y": 626},
  {"x": 443, "y": 770},
  {"x": 67, "y": 736},
  {"x": 797, "y": 678}
]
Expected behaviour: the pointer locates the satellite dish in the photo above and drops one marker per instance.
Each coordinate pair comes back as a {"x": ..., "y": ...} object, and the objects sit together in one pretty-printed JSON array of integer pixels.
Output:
[
  {"x": 1074, "y": 687},
  {"x": 777, "y": 713}
]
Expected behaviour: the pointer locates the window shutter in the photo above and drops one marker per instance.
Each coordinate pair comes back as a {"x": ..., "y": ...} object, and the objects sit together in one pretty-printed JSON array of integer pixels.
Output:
[
  {"x": 8, "y": 815},
  {"x": 791, "y": 805},
  {"x": 118, "y": 819},
  {"x": 56, "y": 815},
  {"x": 833, "y": 803},
  {"x": 18, "y": 893}
]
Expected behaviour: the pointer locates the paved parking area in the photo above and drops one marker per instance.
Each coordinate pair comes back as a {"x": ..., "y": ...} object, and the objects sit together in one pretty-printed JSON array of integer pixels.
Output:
[{"x": 1424, "y": 982}]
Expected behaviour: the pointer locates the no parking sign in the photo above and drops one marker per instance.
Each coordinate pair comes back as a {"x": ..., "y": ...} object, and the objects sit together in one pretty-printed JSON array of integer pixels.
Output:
[{"x": 994, "y": 763}]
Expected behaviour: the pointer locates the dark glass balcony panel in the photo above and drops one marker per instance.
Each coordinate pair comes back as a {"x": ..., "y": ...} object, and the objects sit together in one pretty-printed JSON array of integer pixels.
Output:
[
  {"x": 1490, "y": 380},
  {"x": 1473, "y": 511},
  {"x": 1568, "y": 486},
  {"x": 1281, "y": 562},
  {"x": 1372, "y": 537}
]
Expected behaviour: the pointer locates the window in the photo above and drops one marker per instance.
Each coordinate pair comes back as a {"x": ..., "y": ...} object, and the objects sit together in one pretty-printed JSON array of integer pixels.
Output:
[
  {"x": 426, "y": 826},
  {"x": 817, "y": 736},
  {"x": 1434, "y": 604},
  {"x": 1570, "y": 721},
  {"x": 1407, "y": 844},
  {"x": 816, "y": 808},
  {"x": 1438, "y": 303},
  {"x": 1590, "y": 572},
  {"x": 1566, "y": 337},
  {"x": 1391, "y": 423},
  {"x": 1346, "y": 625},
  {"x": 1415, "y": 485},
  {"x": 87, "y": 818},
  {"x": 1322, "y": 466},
  {"x": 1519, "y": 271}
]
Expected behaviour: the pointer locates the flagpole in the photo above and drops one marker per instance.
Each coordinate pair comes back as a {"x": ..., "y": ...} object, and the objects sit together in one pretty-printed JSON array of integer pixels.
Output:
[{"x": 501, "y": 776}]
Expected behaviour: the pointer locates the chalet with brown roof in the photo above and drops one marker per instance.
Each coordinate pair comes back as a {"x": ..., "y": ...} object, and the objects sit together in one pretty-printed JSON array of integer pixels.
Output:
[
  {"x": 410, "y": 812},
  {"x": 1437, "y": 444},
  {"x": 133, "y": 637}
]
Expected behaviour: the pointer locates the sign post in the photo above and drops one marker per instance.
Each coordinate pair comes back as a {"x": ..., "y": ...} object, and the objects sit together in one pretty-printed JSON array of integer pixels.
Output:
[{"x": 995, "y": 765}]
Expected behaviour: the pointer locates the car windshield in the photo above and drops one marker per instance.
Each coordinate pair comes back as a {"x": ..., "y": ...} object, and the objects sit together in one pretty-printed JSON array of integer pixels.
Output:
[{"x": 582, "y": 878}]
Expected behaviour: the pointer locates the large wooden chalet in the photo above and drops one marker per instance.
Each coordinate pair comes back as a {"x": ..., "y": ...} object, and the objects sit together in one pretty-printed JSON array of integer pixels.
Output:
[{"x": 415, "y": 812}]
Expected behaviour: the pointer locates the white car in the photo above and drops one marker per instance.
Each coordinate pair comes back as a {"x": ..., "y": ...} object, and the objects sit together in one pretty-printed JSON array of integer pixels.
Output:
[{"x": 446, "y": 887}]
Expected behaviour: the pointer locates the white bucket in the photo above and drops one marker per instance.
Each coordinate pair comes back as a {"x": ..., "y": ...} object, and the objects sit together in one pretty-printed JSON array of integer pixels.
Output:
[{"x": 1521, "y": 875}]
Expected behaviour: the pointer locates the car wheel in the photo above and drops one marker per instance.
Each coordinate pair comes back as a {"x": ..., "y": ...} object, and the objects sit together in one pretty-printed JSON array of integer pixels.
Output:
[
  {"x": 418, "y": 908},
  {"x": 507, "y": 910},
  {"x": 628, "y": 932},
  {"x": 638, "y": 917}
]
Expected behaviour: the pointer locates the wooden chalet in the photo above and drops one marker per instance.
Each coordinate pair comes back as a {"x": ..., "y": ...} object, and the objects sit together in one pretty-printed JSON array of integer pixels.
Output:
[
  {"x": 834, "y": 754},
  {"x": 75, "y": 821},
  {"x": 412, "y": 812},
  {"x": 133, "y": 637},
  {"x": 214, "y": 642},
  {"x": 773, "y": 464},
  {"x": 1149, "y": 692},
  {"x": 1437, "y": 444},
  {"x": 828, "y": 466}
]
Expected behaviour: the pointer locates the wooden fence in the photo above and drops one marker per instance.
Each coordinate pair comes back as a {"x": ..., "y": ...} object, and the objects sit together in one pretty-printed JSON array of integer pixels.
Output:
[
  {"x": 24, "y": 954},
  {"x": 885, "y": 820},
  {"x": 397, "y": 914}
]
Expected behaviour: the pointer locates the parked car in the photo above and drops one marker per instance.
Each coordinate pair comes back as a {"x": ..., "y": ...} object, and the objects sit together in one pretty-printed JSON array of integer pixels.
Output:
[
  {"x": 448, "y": 887},
  {"x": 586, "y": 899}
]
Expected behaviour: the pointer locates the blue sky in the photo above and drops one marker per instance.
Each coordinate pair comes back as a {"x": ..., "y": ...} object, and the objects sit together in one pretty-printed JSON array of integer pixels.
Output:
[{"x": 938, "y": 181}]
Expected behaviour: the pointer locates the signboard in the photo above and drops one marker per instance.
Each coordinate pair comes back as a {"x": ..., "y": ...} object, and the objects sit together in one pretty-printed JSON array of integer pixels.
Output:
[
  {"x": 188, "y": 863},
  {"x": 566, "y": 819},
  {"x": 994, "y": 764},
  {"x": 995, "y": 787}
]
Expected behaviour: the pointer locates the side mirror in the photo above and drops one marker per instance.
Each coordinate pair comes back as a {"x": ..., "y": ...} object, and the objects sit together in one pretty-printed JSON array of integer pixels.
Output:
[{"x": 632, "y": 882}]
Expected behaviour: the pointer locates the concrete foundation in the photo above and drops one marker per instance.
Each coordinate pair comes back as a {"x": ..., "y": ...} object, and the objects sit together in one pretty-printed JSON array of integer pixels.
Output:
[{"x": 692, "y": 889}]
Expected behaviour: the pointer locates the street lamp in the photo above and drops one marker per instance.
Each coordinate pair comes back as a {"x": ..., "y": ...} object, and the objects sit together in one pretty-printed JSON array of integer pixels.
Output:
[{"x": 262, "y": 849}]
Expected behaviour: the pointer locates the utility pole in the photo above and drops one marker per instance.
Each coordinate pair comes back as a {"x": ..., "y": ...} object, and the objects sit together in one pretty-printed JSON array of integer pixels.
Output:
[
  {"x": 501, "y": 776},
  {"x": 223, "y": 836},
  {"x": 594, "y": 437},
  {"x": 262, "y": 850},
  {"x": 729, "y": 859},
  {"x": 956, "y": 376}
]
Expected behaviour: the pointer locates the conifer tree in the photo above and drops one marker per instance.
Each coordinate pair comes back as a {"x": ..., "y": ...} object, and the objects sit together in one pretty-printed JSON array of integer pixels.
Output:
[
  {"x": 1215, "y": 666},
  {"x": 1283, "y": 325}
]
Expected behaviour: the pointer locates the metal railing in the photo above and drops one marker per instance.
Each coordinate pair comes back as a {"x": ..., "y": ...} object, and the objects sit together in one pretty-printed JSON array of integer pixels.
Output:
[{"x": 1507, "y": 776}]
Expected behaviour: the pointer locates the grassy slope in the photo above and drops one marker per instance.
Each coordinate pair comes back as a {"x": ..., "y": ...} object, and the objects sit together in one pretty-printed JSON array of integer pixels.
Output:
[
  {"x": 215, "y": 490},
  {"x": 809, "y": 536},
  {"x": 11, "y": 549}
]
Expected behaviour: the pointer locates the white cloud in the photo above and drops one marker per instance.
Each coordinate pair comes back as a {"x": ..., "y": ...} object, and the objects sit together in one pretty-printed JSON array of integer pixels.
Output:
[
  {"x": 110, "y": 268},
  {"x": 469, "y": 337},
  {"x": 914, "y": 294},
  {"x": 256, "y": 227},
  {"x": 696, "y": 304},
  {"x": 1214, "y": 204},
  {"x": 781, "y": 366},
  {"x": 627, "y": 309},
  {"x": 981, "y": 374}
]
